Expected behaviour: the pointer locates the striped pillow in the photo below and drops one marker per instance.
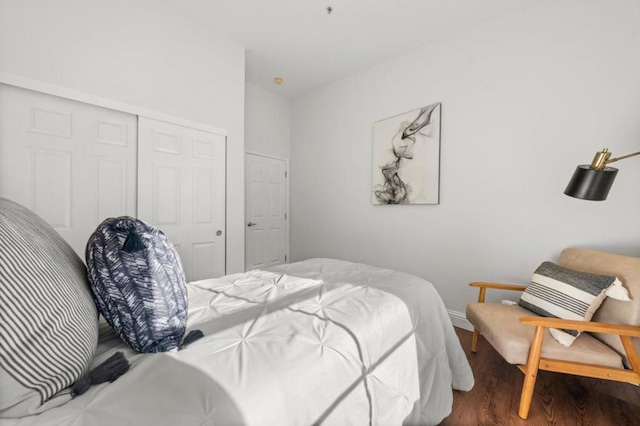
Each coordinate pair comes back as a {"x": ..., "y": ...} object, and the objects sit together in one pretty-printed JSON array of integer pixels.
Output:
[
  {"x": 48, "y": 321},
  {"x": 558, "y": 292}
]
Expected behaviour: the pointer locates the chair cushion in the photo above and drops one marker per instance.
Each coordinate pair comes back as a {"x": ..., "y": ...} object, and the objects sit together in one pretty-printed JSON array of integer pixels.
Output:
[
  {"x": 48, "y": 321},
  {"x": 138, "y": 283},
  {"x": 559, "y": 292},
  {"x": 627, "y": 269},
  {"x": 500, "y": 325}
]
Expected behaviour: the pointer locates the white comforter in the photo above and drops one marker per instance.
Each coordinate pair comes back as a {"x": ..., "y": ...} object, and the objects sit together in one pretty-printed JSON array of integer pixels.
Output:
[{"x": 315, "y": 342}]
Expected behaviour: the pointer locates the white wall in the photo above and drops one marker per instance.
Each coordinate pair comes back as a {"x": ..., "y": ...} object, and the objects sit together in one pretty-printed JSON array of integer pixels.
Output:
[
  {"x": 267, "y": 122},
  {"x": 140, "y": 53},
  {"x": 525, "y": 98}
]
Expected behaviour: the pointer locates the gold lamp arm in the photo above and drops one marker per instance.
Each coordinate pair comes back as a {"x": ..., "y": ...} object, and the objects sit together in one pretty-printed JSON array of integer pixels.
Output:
[
  {"x": 622, "y": 157},
  {"x": 602, "y": 158}
]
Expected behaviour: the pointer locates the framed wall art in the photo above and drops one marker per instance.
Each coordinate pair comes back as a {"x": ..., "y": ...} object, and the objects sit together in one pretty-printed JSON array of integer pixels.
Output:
[{"x": 406, "y": 158}]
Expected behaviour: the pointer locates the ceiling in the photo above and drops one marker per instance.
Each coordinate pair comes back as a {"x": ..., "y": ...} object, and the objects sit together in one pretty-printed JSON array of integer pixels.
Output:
[{"x": 299, "y": 41}]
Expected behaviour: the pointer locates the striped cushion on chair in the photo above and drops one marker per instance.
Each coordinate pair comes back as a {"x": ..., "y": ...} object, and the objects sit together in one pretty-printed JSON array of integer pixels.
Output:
[
  {"x": 48, "y": 321},
  {"x": 555, "y": 291}
]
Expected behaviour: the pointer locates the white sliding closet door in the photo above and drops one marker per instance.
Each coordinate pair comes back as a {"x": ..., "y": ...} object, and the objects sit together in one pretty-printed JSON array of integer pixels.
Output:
[
  {"x": 181, "y": 191},
  {"x": 72, "y": 163}
]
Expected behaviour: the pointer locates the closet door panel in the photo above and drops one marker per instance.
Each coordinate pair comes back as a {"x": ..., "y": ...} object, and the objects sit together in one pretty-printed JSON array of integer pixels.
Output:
[
  {"x": 72, "y": 163},
  {"x": 113, "y": 188},
  {"x": 50, "y": 187},
  {"x": 166, "y": 195},
  {"x": 181, "y": 190}
]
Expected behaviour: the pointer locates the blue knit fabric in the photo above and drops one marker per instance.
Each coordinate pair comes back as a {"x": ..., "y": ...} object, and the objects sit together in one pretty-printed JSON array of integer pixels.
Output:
[{"x": 138, "y": 283}]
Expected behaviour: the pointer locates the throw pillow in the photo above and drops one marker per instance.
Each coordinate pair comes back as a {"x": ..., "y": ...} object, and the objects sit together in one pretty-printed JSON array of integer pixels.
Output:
[
  {"x": 560, "y": 292},
  {"x": 138, "y": 283},
  {"x": 48, "y": 321}
]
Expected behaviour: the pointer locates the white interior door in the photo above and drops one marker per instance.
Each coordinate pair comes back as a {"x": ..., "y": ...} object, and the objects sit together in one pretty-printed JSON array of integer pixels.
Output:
[
  {"x": 181, "y": 191},
  {"x": 72, "y": 163},
  {"x": 267, "y": 231}
]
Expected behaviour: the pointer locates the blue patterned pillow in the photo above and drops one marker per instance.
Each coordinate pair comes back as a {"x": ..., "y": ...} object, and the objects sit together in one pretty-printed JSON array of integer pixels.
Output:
[{"x": 138, "y": 283}]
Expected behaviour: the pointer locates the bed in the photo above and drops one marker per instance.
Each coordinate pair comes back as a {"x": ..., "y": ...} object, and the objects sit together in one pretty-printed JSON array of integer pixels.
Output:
[{"x": 321, "y": 341}]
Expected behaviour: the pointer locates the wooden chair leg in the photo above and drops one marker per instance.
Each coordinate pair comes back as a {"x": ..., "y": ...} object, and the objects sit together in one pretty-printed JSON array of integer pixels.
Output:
[
  {"x": 531, "y": 373},
  {"x": 476, "y": 333},
  {"x": 474, "y": 340}
]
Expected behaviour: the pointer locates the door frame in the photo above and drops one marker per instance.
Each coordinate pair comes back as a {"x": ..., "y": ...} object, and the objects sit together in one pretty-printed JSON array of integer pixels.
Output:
[{"x": 286, "y": 202}]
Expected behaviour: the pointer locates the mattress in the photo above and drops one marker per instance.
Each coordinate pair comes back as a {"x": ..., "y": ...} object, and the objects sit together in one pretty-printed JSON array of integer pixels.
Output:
[{"x": 321, "y": 341}]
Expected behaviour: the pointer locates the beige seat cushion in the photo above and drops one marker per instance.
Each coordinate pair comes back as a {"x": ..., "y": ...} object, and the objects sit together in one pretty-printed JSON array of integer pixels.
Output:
[{"x": 499, "y": 324}]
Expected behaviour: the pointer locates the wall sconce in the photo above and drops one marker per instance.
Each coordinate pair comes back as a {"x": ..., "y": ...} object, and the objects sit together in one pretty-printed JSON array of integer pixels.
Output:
[{"x": 594, "y": 182}]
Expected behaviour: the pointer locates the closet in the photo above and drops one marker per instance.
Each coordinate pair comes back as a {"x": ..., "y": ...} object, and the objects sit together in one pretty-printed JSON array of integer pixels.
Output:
[{"x": 76, "y": 164}]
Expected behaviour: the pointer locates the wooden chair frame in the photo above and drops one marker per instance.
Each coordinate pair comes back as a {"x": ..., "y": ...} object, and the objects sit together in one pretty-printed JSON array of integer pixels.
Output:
[{"x": 535, "y": 362}]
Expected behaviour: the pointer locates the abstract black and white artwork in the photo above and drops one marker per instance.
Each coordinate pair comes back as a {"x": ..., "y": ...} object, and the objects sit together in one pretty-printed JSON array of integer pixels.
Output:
[{"x": 406, "y": 158}]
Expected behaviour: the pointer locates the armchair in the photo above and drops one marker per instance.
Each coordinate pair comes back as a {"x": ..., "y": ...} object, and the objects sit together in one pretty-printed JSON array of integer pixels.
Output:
[{"x": 607, "y": 349}]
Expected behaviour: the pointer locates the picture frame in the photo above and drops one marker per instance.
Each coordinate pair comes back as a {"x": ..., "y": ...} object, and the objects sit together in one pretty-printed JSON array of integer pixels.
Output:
[{"x": 406, "y": 158}]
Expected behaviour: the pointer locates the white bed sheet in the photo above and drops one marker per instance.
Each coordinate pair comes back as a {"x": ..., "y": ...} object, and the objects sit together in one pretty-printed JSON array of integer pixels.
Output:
[{"x": 320, "y": 341}]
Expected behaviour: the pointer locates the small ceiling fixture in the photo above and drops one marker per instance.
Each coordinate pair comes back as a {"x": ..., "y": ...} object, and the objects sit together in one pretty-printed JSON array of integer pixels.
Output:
[{"x": 278, "y": 80}]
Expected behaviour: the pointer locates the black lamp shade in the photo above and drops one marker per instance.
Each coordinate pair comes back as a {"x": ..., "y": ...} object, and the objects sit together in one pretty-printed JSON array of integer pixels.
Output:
[{"x": 591, "y": 184}]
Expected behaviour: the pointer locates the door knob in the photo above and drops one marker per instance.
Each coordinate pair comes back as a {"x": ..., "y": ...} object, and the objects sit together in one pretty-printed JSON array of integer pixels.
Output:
[{"x": 251, "y": 224}]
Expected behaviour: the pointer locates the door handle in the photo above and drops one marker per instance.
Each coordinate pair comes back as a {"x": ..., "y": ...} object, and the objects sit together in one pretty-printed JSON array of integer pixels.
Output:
[{"x": 251, "y": 224}]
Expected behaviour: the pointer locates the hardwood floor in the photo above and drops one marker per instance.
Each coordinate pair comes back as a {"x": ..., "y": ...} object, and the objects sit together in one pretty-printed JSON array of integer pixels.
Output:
[{"x": 558, "y": 399}]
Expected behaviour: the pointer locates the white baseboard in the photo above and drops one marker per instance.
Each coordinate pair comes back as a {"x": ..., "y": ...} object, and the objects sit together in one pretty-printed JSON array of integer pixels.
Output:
[{"x": 460, "y": 320}]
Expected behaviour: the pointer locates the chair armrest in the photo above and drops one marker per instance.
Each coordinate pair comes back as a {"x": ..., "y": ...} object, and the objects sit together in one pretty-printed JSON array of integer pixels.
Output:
[
  {"x": 484, "y": 286},
  {"x": 498, "y": 286},
  {"x": 588, "y": 326}
]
